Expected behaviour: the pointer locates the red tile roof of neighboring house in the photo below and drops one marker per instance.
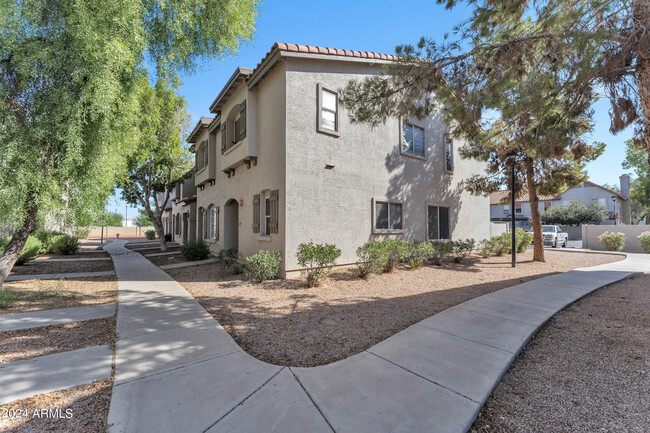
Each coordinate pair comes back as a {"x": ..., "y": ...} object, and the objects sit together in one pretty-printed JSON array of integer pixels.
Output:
[
  {"x": 617, "y": 194},
  {"x": 501, "y": 197},
  {"x": 308, "y": 49}
]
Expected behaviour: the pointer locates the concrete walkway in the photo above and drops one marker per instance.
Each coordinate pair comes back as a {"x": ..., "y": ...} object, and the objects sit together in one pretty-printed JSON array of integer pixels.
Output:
[
  {"x": 35, "y": 319},
  {"x": 178, "y": 370},
  {"x": 58, "y": 276},
  {"x": 23, "y": 379}
]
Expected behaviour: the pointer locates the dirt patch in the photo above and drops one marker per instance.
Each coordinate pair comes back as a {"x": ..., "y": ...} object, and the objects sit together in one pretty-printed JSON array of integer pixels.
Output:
[
  {"x": 74, "y": 256},
  {"x": 587, "y": 370},
  {"x": 86, "y": 405},
  {"x": 28, "y": 343},
  {"x": 154, "y": 251},
  {"x": 39, "y": 267},
  {"x": 284, "y": 322},
  {"x": 35, "y": 295},
  {"x": 167, "y": 260}
]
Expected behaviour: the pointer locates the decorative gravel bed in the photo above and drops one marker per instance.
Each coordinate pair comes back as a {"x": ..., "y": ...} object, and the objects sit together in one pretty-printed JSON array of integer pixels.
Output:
[
  {"x": 157, "y": 250},
  {"x": 87, "y": 406},
  {"x": 73, "y": 256},
  {"x": 167, "y": 260},
  {"x": 28, "y": 343},
  {"x": 587, "y": 370},
  {"x": 286, "y": 323},
  {"x": 37, "y": 267},
  {"x": 35, "y": 295}
]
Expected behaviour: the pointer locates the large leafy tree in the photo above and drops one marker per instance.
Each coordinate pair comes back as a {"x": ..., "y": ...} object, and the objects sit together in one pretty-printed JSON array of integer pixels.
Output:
[
  {"x": 575, "y": 214},
  {"x": 636, "y": 160},
  {"x": 538, "y": 106},
  {"x": 142, "y": 220},
  {"x": 160, "y": 159},
  {"x": 67, "y": 91}
]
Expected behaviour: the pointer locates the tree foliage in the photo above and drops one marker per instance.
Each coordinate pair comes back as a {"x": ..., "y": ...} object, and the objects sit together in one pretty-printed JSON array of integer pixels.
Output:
[
  {"x": 143, "y": 220},
  {"x": 636, "y": 160},
  {"x": 575, "y": 214},
  {"x": 111, "y": 219}
]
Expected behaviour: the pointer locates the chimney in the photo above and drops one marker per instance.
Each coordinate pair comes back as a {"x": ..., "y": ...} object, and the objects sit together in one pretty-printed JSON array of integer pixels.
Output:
[{"x": 625, "y": 185}]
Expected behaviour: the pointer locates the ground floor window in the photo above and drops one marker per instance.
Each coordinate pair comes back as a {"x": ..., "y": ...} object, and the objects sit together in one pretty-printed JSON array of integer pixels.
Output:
[
  {"x": 438, "y": 224},
  {"x": 388, "y": 216}
]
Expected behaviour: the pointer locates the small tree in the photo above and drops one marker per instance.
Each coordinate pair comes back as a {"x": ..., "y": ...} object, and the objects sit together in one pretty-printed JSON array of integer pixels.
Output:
[
  {"x": 111, "y": 219},
  {"x": 575, "y": 214},
  {"x": 636, "y": 159}
]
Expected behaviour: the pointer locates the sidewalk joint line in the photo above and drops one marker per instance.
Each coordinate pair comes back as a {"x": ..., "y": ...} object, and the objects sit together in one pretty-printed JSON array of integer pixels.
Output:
[
  {"x": 466, "y": 339},
  {"x": 244, "y": 400},
  {"x": 312, "y": 400},
  {"x": 422, "y": 377}
]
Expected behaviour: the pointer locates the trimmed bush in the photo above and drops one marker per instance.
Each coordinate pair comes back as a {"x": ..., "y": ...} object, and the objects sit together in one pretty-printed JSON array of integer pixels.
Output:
[
  {"x": 461, "y": 249},
  {"x": 419, "y": 252},
  {"x": 168, "y": 237},
  {"x": 523, "y": 239},
  {"x": 45, "y": 237},
  {"x": 263, "y": 266},
  {"x": 82, "y": 232},
  {"x": 372, "y": 258},
  {"x": 319, "y": 258},
  {"x": 441, "y": 249},
  {"x": 150, "y": 234},
  {"x": 31, "y": 249},
  {"x": 486, "y": 247},
  {"x": 396, "y": 251},
  {"x": 195, "y": 250},
  {"x": 502, "y": 244},
  {"x": 229, "y": 260},
  {"x": 644, "y": 239},
  {"x": 63, "y": 244},
  {"x": 612, "y": 241}
]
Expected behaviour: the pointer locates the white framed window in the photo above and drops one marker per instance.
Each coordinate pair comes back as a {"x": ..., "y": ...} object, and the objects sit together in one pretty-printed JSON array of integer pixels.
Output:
[
  {"x": 412, "y": 139},
  {"x": 518, "y": 208},
  {"x": 437, "y": 222},
  {"x": 265, "y": 213},
  {"x": 449, "y": 155},
  {"x": 211, "y": 222},
  {"x": 328, "y": 110},
  {"x": 506, "y": 209},
  {"x": 388, "y": 216}
]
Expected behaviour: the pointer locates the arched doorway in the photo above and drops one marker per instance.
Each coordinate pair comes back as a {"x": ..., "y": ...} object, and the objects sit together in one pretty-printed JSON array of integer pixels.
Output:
[{"x": 231, "y": 224}]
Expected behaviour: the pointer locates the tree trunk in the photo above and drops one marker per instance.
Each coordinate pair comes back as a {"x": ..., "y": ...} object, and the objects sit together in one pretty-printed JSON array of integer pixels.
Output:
[
  {"x": 538, "y": 239},
  {"x": 157, "y": 223},
  {"x": 18, "y": 239}
]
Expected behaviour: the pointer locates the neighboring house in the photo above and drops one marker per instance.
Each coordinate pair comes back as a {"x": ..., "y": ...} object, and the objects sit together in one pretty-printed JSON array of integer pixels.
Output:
[
  {"x": 617, "y": 204},
  {"x": 281, "y": 164}
]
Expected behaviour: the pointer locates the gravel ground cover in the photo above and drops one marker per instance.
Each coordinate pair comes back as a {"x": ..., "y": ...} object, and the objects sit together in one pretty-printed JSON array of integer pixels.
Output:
[
  {"x": 167, "y": 260},
  {"x": 46, "y": 340},
  {"x": 35, "y": 295},
  {"x": 286, "y": 323},
  {"x": 83, "y": 409},
  {"x": 157, "y": 250},
  {"x": 73, "y": 256},
  {"x": 38, "y": 267},
  {"x": 587, "y": 370}
]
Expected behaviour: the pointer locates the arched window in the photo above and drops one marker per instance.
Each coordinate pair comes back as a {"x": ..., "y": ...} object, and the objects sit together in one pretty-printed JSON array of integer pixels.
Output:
[{"x": 212, "y": 222}]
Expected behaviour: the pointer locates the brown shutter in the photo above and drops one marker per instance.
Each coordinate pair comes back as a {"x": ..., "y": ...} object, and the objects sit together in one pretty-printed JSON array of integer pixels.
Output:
[
  {"x": 223, "y": 137},
  {"x": 216, "y": 228},
  {"x": 274, "y": 203},
  {"x": 256, "y": 213},
  {"x": 242, "y": 120}
]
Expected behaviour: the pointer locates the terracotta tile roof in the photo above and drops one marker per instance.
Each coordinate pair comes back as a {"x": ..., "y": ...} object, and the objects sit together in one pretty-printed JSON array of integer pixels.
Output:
[
  {"x": 308, "y": 49},
  {"x": 206, "y": 120},
  {"x": 500, "y": 197}
]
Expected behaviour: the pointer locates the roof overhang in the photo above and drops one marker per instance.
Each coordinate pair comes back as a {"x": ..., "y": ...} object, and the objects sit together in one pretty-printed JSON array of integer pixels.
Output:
[{"x": 238, "y": 77}]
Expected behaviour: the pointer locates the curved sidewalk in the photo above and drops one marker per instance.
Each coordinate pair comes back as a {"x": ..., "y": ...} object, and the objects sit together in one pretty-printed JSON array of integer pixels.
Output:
[{"x": 178, "y": 370}]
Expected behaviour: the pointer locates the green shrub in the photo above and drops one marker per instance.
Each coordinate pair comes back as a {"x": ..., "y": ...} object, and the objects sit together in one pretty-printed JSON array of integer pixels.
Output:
[
  {"x": 82, "y": 232},
  {"x": 372, "y": 258},
  {"x": 31, "y": 249},
  {"x": 523, "y": 239},
  {"x": 612, "y": 241},
  {"x": 3, "y": 244},
  {"x": 396, "y": 251},
  {"x": 419, "y": 252},
  {"x": 263, "y": 266},
  {"x": 319, "y": 259},
  {"x": 229, "y": 260},
  {"x": 150, "y": 234},
  {"x": 460, "y": 249},
  {"x": 63, "y": 244},
  {"x": 487, "y": 247},
  {"x": 45, "y": 237},
  {"x": 502, "y": 244},
  {"x": 195, "y": 250},
  {"x": 644, "y": 239},
  {"x": 441, "y": 249}
]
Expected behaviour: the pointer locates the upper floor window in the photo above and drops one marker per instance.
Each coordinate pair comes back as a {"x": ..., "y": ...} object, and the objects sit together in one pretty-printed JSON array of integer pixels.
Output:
[
  {"x": 517, "y": 207},
  {"x": 388, "y": 216},
  {"x": 233, "y": 129},
  {"x": 328, "y": 110},
  {"x": 547, "y": 204},
  {"x": 449, "y": 155},
  {"x": 412, "y": 139},
  {"x": 202, "y": 155}
]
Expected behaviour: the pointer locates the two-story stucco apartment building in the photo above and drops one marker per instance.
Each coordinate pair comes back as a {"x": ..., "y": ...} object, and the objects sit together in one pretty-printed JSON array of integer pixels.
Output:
[{"x": 280, "y": 164}]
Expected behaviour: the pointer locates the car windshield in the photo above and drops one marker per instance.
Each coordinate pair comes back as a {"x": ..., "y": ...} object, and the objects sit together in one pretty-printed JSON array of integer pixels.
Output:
[{"x": 548, "y": 228}]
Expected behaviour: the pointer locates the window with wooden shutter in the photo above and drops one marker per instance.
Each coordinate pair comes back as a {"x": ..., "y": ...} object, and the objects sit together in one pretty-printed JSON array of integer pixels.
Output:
[
  {"x": 216, "y": 225},
  {"x": 223, "y": 137},
  {"x": 274, "y": 203},
  {"x": 256, "y": 213},
  {"x": 242, "y": 120}
]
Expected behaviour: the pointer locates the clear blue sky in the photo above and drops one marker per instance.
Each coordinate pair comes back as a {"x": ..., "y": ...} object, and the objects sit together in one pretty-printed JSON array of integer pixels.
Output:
[{"x": 364, "y": 26}]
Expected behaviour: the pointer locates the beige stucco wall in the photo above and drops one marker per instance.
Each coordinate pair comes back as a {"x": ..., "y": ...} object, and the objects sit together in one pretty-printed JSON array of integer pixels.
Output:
[
  {"x": 590, "y": 234},
  {"x": 124, "y": 232},
  {"x": 335, "y": 205},
  {"x": 265, "y": 113}
]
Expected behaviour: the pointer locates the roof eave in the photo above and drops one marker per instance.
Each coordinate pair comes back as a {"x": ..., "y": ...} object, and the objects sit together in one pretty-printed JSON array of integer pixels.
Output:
[{"x": 239, "y": 73}]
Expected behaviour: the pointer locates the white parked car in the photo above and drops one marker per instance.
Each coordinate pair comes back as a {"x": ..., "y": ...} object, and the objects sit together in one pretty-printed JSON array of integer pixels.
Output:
[{"x": 554, "y": 236}]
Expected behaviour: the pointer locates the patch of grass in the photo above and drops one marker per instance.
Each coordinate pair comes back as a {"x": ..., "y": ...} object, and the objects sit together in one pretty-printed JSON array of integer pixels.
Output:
[{"x": 7, "y": 297}]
